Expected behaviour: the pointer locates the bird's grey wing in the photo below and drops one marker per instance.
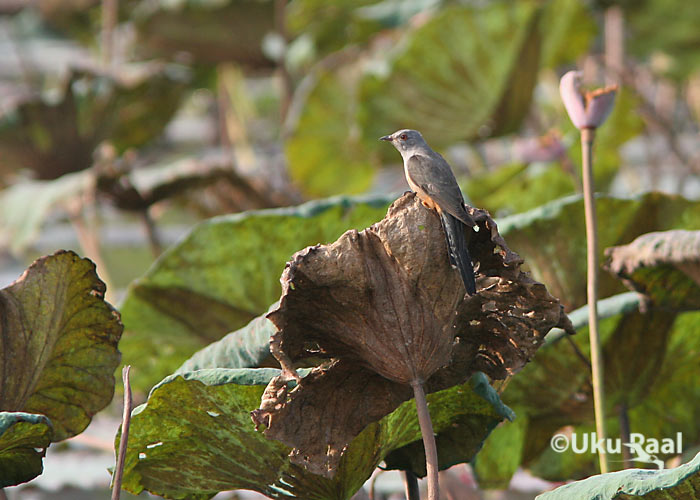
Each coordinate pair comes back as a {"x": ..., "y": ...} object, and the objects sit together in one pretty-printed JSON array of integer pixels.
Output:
[{"x": 435, "y": 177}]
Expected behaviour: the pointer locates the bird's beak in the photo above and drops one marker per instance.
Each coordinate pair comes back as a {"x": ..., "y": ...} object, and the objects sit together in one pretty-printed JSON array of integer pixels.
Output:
[{"x": 386, "y": 138}]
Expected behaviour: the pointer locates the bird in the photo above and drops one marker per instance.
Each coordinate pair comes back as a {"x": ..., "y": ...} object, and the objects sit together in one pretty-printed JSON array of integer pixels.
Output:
[{"x": 431, "y": 178}]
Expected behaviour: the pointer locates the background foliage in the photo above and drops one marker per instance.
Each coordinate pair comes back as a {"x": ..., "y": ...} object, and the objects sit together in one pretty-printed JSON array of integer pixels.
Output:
[{"x": 190, "y": 147}]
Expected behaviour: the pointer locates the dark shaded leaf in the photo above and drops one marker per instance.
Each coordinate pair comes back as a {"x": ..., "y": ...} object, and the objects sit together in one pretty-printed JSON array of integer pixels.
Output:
[
  {"x": 665, "y": 266},
  {"x": 501, "y": 455},
  {"x": 58, "y": 340},
  {"x": 53, "y": 139},
  {"x": 633, "y": 349},
  {"x": 460, "y": 433},
  {"x": 386, "y": 305},
  {"x": 551, "y": 238},
  {"x": 550, "y": 392},
  {"x": 651, "y": 367},
  {"x": 24, "y": 438},
  {"x": 223, "y": 274},
  {"x": 210, "y": 32},
  {"x": 673, "y": 404},
  {"x": 681, "y": 483},
  {"x": 247, "y": 347}
]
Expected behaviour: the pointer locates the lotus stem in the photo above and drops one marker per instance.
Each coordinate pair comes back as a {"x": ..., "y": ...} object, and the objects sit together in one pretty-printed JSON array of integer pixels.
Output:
[
  {"x": 587, "y": 138},
  {"x": 126, "y": 420},
  {"x": 426, "y": 429}
]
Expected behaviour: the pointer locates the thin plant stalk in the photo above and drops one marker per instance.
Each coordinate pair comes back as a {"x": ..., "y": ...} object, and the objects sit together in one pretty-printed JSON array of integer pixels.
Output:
[
  {"x": 426, "y": 429},
  {"x": 126, "y": 420},
  {"x": 151, "y": 233},
  {"x": 614, "y": 44},
  {"x": 410, "y": 482},
  {"x": 109, "y": 21},
  {"x": 587, "y": 138},
  {"x": 624, "y": 420},
  {"x": 287, "y": 82}
]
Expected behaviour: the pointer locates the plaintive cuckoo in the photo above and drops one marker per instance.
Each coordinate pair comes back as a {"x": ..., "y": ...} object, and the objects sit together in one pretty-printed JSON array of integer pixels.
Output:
[{"x": 431, "y": 177}]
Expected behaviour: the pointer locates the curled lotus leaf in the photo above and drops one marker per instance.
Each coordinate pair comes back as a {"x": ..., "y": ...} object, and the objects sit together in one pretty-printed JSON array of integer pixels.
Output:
[
  {"x": 664, "y": 266},
  {"x": 383, "y": 307}
]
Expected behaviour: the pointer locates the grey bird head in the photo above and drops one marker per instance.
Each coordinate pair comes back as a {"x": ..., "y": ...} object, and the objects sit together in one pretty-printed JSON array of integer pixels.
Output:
[{"x": 407, "y": 141}]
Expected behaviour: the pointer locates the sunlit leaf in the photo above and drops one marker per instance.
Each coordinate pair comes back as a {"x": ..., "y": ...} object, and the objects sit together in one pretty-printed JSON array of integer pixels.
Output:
[
  {"x": 25, "y": 206},
  {"x": 501, "y": 455},
  {"x": 467, "y": 72},
  {"x": 664, "y": 266},
  {"x": 59, "y": 343},
  {"x": 681, "y": 483},
  {"x": 326, "y": 153}
]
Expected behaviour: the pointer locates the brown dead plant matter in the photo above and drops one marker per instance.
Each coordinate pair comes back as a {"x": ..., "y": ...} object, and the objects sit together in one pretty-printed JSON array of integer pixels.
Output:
[{"x": 383, "y": 309}]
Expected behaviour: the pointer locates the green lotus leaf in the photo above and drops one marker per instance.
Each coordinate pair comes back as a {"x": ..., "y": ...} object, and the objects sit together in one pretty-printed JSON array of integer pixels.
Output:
[
  {"x": 247, "y": 347},
  {"x": 59, "y": 343},
  {"x": 194, "y": 437},
  {"x": 24, "y": 438},
  {"x": 467, "y": 72},
  {"x": 324, "y": 154},
  {"x": 671, "y": 406},
  {"x": 664, "y": 266},
  {"x": 552, "y": 238},
  {"x": 223, "y": 274},
  {"x": 681, "y": 483}
]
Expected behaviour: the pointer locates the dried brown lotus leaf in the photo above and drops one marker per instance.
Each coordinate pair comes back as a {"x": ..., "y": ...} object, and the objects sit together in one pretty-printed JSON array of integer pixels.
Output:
[{"x": 386, "y": 308}]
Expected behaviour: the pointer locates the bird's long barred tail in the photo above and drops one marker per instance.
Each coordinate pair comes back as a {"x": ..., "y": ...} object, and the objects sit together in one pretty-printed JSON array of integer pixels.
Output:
[{"x": 457, "y": 250}]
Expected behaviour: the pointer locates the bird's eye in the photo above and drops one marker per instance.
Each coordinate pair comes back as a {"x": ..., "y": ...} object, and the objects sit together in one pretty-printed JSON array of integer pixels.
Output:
[{"x": 403, "y": 137}]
